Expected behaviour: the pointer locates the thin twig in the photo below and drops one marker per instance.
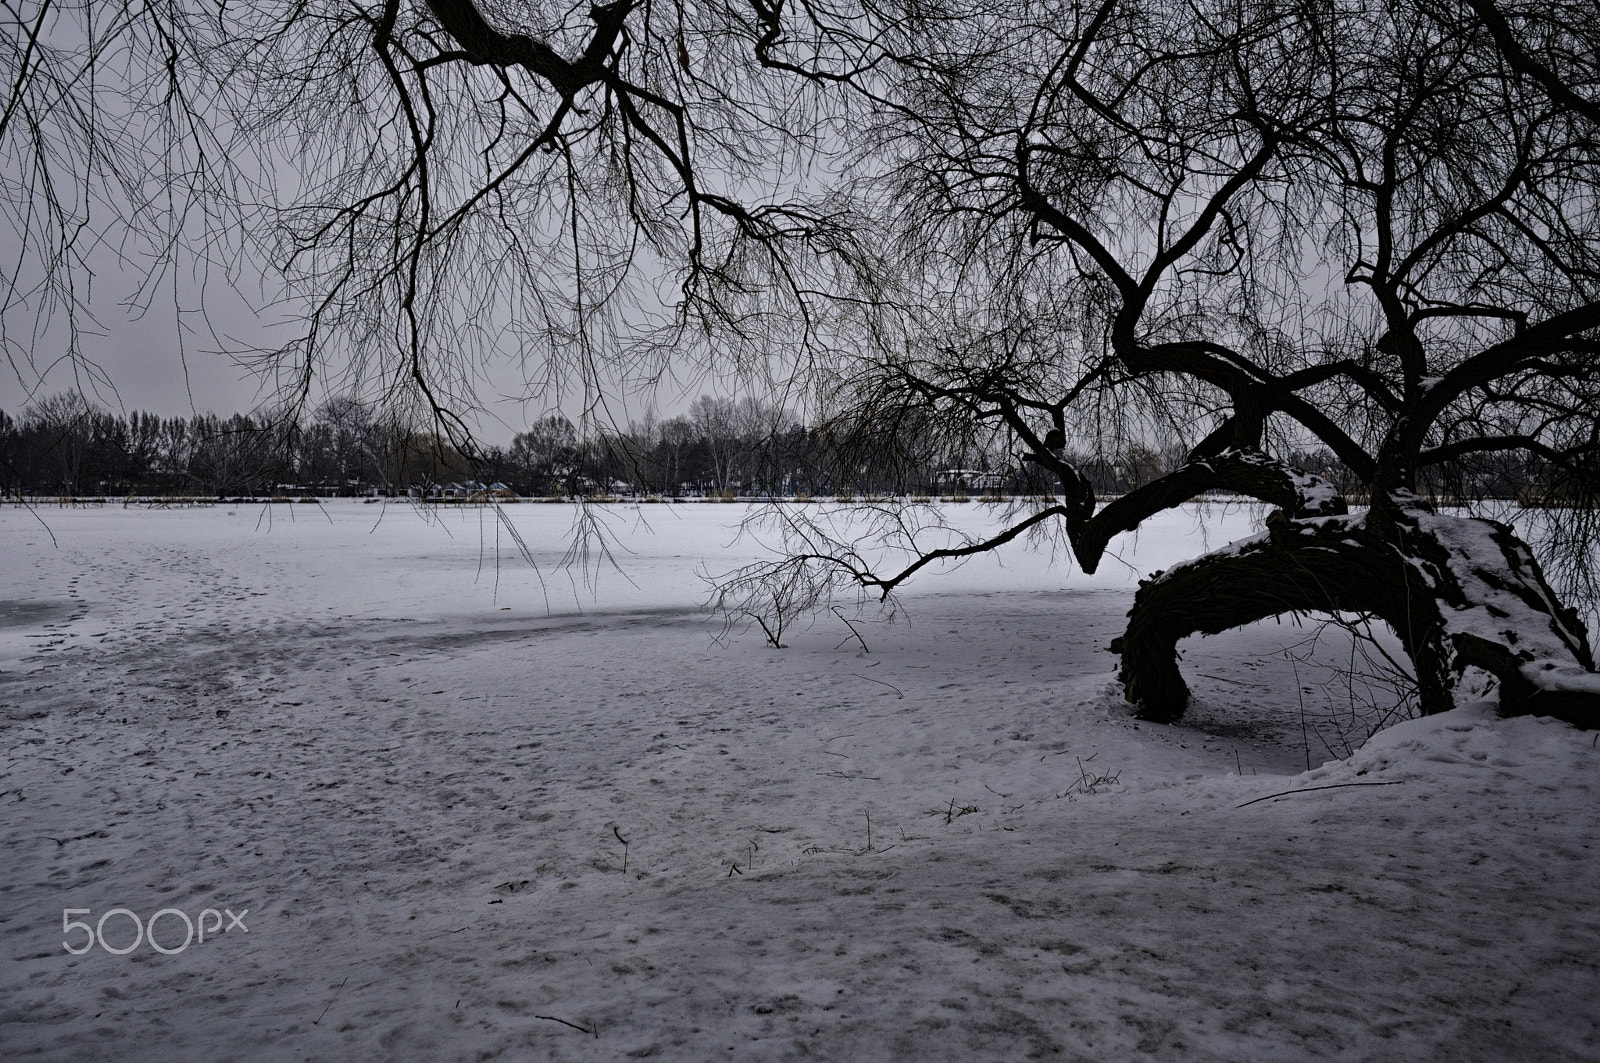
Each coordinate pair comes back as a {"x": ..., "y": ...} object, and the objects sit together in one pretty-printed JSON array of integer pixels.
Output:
[
  {"x": 853, "y": 632},
  {"x": 881, "y": 683},
  {"x": 1331, "y": 786},
  {"x": 331, "y": 999}
]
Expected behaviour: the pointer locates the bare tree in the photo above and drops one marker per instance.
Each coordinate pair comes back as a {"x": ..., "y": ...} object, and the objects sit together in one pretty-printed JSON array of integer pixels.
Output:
[
  {"x": 550, "y": 451},
  {"x": 1254, "y": 227},
  {"x": 65, "y": 424}
]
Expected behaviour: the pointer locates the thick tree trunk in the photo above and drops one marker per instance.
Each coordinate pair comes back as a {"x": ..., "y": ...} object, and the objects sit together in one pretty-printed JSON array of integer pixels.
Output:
[{"x": 1457, "y": 591}]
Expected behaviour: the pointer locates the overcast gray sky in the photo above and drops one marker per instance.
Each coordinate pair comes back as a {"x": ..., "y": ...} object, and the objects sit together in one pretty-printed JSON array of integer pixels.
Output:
[{"x": 150, "y": 362}]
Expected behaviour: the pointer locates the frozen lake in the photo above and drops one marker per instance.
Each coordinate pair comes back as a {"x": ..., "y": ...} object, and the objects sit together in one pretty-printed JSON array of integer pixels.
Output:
[{"x": 478, "y": 811}]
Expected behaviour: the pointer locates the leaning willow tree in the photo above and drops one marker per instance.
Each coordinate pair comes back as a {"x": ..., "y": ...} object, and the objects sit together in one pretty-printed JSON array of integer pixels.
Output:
[
  {"x": 1257, "y": 226},
  {"x": 1254, "y": 225}
]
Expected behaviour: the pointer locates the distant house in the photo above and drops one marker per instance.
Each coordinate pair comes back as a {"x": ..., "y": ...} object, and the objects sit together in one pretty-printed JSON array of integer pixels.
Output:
[
  {"x": 971, "y": 480},
  {"x": 463, "y": 491}
]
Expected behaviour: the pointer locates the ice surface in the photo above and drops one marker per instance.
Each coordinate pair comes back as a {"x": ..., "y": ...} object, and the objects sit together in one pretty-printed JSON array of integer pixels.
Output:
[{"x": 416, "y": 768}]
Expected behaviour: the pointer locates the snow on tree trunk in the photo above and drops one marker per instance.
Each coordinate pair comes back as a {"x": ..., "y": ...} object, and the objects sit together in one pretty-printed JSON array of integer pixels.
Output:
[
  {"x": 1500, "y": 614},
  {"x": 1458, "y": 592}
]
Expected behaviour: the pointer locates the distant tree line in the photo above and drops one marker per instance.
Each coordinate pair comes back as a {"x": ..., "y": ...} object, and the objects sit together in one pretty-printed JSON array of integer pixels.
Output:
[{"x": 65, "y": 444}]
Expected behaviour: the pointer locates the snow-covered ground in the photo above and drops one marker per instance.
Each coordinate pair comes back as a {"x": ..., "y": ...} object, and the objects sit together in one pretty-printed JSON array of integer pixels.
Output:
[{"x": 476, "y": 815}]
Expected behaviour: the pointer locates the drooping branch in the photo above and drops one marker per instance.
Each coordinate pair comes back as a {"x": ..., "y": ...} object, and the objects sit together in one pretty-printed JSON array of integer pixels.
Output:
[
  {"x": 1247, "y": 472},
  {"x": 885, "y": 585}
]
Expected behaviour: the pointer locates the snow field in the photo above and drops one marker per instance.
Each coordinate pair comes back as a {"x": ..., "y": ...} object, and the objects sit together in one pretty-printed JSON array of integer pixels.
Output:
[{"x": 422, "y": 773}]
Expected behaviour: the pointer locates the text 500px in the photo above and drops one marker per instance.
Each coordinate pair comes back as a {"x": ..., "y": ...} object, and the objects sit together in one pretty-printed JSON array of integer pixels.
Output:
[{"x": 143, "y": 931}]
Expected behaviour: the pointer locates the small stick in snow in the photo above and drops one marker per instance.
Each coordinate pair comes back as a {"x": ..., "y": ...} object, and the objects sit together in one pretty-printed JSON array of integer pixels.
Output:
[
  {"x": 331, "y": 999},
  {"x": 953, "y": 813},
  {"x": 881, "y": 683},
  {"x": 624, "y": 842},
  {"x": 575, "y": 1026},
  {"x": 1331, "y": 786},
  {"x": 442, "y": 933}
]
